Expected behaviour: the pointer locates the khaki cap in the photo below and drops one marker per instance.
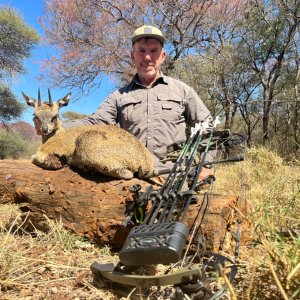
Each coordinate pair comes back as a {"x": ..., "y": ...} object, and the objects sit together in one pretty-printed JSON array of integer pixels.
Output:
[{"x": 148, "y": 31}]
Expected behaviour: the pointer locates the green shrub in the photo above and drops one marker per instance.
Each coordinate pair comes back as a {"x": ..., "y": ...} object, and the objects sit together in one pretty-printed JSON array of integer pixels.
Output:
[{"x": 12, "y": 145}]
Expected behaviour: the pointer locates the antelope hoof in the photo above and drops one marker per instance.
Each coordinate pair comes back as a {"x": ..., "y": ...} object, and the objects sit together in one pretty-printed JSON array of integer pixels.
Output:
[{"x": 53, "y": 162}]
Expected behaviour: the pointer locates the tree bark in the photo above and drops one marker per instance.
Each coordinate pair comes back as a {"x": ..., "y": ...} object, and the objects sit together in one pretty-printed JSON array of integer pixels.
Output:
[{"x": 93, "y": 206}]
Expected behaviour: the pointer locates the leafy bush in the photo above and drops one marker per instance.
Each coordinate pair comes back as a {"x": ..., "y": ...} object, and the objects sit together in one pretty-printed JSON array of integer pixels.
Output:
[
  {"x": 12, "y": 145},
  {"x": 10, "y": 108}
]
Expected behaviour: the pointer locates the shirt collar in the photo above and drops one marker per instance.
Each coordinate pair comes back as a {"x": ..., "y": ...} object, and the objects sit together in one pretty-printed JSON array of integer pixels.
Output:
[{"x": 161, "y": 79}]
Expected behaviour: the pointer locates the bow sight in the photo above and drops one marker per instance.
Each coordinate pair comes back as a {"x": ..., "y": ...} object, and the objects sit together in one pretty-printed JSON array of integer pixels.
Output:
[{"x": 162, "y": 236}]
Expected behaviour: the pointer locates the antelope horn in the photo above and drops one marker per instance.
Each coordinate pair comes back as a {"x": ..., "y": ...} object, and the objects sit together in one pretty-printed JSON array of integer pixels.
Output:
[
  {"x": 39, "y": 98},
  {"x": 50, "y": 99}
]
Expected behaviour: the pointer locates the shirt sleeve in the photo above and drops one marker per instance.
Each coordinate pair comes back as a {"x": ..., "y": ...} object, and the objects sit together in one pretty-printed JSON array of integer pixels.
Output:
[
  {"x": 105, "y": 114},
  {"x": 196, "y": 110}
]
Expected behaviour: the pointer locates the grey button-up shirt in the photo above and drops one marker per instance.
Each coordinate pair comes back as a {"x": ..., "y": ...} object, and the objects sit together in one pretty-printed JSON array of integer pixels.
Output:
[{"x": 158, "y": 116}]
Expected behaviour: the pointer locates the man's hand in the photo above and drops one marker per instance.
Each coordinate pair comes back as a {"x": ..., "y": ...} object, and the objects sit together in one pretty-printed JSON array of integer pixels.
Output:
[{"x": 205, "y": 172}]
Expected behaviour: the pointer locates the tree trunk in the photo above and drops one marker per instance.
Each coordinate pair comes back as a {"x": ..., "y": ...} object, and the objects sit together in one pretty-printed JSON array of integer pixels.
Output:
[
  {"x": 93, "y": 206},
  {"x": 266, "y": 115}
]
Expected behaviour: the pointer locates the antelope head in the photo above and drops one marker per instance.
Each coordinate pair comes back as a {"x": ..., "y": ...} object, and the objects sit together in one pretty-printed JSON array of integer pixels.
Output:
[{"x": 46, "y": 118}]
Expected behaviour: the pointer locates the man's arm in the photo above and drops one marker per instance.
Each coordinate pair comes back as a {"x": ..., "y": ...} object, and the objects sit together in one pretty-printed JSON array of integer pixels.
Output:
[
  {"x": 105, "y": 114},
  {"x": 196, "y": 111}
]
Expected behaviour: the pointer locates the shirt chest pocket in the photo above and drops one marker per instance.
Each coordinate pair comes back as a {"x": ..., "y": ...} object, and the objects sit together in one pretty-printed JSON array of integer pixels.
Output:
[
  {"x": 171, "y": 107},
  {"x": 130, "y": 110}
]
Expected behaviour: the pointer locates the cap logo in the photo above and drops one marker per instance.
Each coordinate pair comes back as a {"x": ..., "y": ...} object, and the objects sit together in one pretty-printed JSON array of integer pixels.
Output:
[{"x": 147, "y": 30}]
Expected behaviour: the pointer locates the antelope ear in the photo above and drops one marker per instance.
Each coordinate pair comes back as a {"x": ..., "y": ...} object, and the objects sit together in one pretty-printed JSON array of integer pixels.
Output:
[
  {"x": 64, "y": 101},
  {"x": 30, "y": 101}
]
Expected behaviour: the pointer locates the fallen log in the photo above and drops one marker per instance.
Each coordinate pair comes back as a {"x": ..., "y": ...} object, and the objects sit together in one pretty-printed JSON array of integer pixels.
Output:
[{"x": 93, "y": 206}]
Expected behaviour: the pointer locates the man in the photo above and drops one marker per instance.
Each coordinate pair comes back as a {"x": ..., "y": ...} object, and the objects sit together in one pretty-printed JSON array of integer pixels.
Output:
[{"x": 155, "y": 108}]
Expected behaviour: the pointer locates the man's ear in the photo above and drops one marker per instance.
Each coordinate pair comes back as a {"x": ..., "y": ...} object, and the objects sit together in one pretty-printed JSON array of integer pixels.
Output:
[{"x": 163, "y": 55}]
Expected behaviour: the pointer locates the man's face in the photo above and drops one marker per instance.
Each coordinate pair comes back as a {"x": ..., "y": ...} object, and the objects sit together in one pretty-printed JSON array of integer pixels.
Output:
[{"x": 148, "y": 55}]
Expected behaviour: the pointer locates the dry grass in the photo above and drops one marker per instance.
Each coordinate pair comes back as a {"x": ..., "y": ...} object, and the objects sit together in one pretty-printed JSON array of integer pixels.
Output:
[
  {"x": 272, "y": 191},
  {"x": 56, "y": 265},
  {"x": 48, "y": 266}
]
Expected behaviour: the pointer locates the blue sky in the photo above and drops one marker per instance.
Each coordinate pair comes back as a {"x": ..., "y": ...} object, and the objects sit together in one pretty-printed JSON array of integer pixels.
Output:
[{"x": 31, "y": 10}]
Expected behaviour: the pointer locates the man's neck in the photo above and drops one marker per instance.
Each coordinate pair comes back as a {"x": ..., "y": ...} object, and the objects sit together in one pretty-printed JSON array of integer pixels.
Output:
[{"x": 148, "y": 83}]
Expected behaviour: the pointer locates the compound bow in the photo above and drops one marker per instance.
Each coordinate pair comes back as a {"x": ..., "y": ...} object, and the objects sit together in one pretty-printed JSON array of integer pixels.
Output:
[{"x": 162, "y": 236}]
